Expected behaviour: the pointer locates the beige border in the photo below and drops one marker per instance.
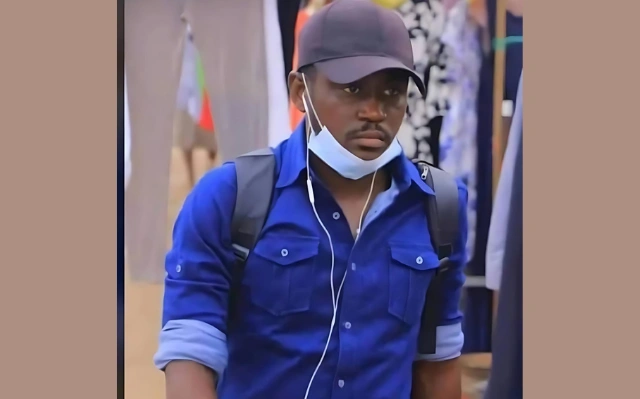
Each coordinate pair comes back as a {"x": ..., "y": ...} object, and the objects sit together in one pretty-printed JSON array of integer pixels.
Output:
[
  {"x": 58, "y": 92},
  {"x": 581, "y": 229},
  {"x": 59, "y": 213}
]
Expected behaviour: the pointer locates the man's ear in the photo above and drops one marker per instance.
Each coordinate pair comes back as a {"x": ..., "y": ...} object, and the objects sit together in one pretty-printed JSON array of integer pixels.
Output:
[{"x": 296, "y": 90}]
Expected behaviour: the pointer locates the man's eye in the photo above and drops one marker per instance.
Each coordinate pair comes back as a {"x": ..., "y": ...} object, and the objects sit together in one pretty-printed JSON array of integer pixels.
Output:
[
  {"x": 391, "y": 92},
  {"x": 351, "y": 89}
]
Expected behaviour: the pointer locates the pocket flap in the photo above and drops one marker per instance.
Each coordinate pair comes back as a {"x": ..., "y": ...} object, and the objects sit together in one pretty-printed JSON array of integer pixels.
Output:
[
  {"x": 419, "y": 257},
  {"x": 286, "y": 251}
]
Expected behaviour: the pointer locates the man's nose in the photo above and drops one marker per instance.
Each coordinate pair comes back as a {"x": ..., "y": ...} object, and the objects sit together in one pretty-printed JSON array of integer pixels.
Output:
[{"x": 372, "y": 110}]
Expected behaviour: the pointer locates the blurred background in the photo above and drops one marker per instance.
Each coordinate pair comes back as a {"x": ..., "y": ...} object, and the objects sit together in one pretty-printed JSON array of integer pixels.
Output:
[{"x": 205, "y": 81}]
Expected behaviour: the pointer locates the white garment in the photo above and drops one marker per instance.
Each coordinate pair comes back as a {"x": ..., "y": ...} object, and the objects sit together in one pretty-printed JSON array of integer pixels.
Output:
[
  {"x": 127, "y": 137},
  {"x": 189, "y": 95},
  {"x": 502, "y": 202},
  {"x": 278, "y": 111},
  {"x": 458, "y": 135}
]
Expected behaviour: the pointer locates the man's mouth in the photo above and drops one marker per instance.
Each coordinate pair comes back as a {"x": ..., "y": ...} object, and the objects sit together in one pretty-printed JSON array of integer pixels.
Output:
[{"x": 370, "y": 139}]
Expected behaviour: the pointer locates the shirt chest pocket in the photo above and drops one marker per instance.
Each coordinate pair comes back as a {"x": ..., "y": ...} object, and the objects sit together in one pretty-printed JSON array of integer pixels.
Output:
[
  {"x": 281, "y": 271},
  {"x": 411, "y": 269}
]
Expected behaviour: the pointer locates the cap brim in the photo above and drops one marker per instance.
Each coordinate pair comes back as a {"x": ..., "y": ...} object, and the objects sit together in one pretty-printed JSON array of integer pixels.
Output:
[{"x": 349, "y": 69}]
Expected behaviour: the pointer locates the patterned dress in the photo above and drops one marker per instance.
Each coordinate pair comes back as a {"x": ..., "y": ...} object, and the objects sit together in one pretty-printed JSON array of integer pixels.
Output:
[
  {"x": 419, "y": 133},
  {"x": 458, "y": 136},
  {"x": 442, "y": 128}
]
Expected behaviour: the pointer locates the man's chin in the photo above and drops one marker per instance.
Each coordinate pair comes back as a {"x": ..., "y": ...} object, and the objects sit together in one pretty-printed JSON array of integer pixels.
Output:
[{"x": 367, "y": 153}]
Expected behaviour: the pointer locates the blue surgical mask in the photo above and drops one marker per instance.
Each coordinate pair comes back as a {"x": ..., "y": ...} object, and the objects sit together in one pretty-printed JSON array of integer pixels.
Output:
[{"x": 338, "y": 158}]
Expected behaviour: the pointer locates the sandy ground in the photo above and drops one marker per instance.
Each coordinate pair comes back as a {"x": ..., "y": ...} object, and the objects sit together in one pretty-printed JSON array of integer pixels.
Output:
[{"x": 143, "y": 301}]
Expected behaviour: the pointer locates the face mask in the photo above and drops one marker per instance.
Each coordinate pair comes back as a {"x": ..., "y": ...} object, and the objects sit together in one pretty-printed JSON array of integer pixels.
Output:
[{"x": 331, "y": 152}]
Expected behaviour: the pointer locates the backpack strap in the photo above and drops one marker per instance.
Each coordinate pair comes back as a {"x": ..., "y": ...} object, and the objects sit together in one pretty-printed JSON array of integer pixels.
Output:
[
  {"x": 255, "y": 176},
  {"x": 442, "y": 219}
]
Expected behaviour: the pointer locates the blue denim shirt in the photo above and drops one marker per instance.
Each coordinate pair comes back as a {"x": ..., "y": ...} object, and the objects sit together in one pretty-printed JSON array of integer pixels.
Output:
[{"x": 285, "y": 310}]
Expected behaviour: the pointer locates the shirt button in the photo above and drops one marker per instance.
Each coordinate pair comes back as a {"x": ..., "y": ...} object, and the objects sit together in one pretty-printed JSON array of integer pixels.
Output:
[
  {"x": 284, "y": 252},
  {"x": 419, "y": 260},
  {"x": 178, "y": 268},
  {"x": 340, "y": 383},
  {"x": 353, "y": 266},
  {"x": 336, "y": 215},
  {"x": 347, "y": 325}
]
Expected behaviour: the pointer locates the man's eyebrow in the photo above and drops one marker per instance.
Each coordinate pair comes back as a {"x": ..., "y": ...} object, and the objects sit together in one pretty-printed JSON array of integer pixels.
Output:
[{"x": 356, "y": 82}]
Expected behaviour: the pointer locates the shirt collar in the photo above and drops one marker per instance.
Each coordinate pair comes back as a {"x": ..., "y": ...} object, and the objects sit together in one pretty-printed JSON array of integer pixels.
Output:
[
  {"x": 294, "y": 162},
  {"x": 293, "y": 155}
]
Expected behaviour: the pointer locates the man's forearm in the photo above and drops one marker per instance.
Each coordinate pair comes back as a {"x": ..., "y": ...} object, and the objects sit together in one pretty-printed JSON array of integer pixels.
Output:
[
  {"x": 190, "y": 380},
  {"x": 436, "y": 380}
]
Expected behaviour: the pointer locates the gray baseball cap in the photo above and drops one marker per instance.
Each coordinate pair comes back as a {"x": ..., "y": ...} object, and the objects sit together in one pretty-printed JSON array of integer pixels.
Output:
[{"x": 350, "y": 39}]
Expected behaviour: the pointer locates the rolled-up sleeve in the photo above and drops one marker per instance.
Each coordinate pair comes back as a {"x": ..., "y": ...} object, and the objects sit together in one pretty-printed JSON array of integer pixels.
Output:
[
  {"x": 198, "y": 272},
  {"x": 449, "y": 335}
]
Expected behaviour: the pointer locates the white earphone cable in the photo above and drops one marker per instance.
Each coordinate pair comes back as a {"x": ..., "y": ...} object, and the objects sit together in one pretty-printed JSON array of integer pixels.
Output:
[{"x": 334, "y": 297}]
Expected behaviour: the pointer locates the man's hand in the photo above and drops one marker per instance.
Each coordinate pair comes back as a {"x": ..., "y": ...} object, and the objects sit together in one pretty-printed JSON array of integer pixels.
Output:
[
  {"x": 190, "y": 380},
  {"x": 436, "y": 380}
]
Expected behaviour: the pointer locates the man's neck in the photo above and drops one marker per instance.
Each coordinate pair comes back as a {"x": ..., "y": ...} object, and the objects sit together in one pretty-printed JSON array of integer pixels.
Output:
[{"x": 341, "y": 187}]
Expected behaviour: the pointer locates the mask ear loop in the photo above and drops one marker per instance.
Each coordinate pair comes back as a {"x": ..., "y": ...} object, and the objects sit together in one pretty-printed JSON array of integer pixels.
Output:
[
  {"x": 312, "y": 198},
  {"x": 313, "y": 109}
]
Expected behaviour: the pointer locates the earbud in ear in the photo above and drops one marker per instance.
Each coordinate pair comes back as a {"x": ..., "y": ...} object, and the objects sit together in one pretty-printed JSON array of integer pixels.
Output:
[{"x": 304, "y": 102}]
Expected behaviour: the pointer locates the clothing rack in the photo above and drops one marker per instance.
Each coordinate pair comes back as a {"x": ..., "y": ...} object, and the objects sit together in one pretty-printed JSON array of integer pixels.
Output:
[{"x": 499, "y": 135}]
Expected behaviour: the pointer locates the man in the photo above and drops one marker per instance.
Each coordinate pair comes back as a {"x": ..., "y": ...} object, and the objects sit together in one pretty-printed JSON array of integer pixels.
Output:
[{"x": 330, "y": 301}]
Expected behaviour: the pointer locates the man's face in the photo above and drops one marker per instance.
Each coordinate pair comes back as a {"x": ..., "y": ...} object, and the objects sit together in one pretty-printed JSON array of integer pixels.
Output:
[{"x": 363, "y": 116}]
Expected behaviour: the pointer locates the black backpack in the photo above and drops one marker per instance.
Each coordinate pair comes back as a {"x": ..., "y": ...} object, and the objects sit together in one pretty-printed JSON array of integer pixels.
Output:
[{"x": 256, "y": 174}]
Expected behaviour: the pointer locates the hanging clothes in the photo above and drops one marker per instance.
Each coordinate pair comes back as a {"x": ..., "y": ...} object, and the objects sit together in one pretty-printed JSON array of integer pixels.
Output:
[
  {"x": 514, "y": 51},
  {"x": 153, "y": 51},
  {"x": 235, "y": 64},
  {"x": 458, "y": 148},
  {"x": 193, "y": 125},
  {"x": 420, "y": 130},
  {"x": 505, "y": 381},
  {"x": 420, "y": 134},
  {"x": 287, "y": 16},
  {"x": 513, "y": 57},
  {"x": 192, "y": 90},
  {"x": 496, "y": 242},
  {"x": 236, "y": 80},
  {"x": 478, "y": 317},
  {"x": 278, "y": 98}
]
